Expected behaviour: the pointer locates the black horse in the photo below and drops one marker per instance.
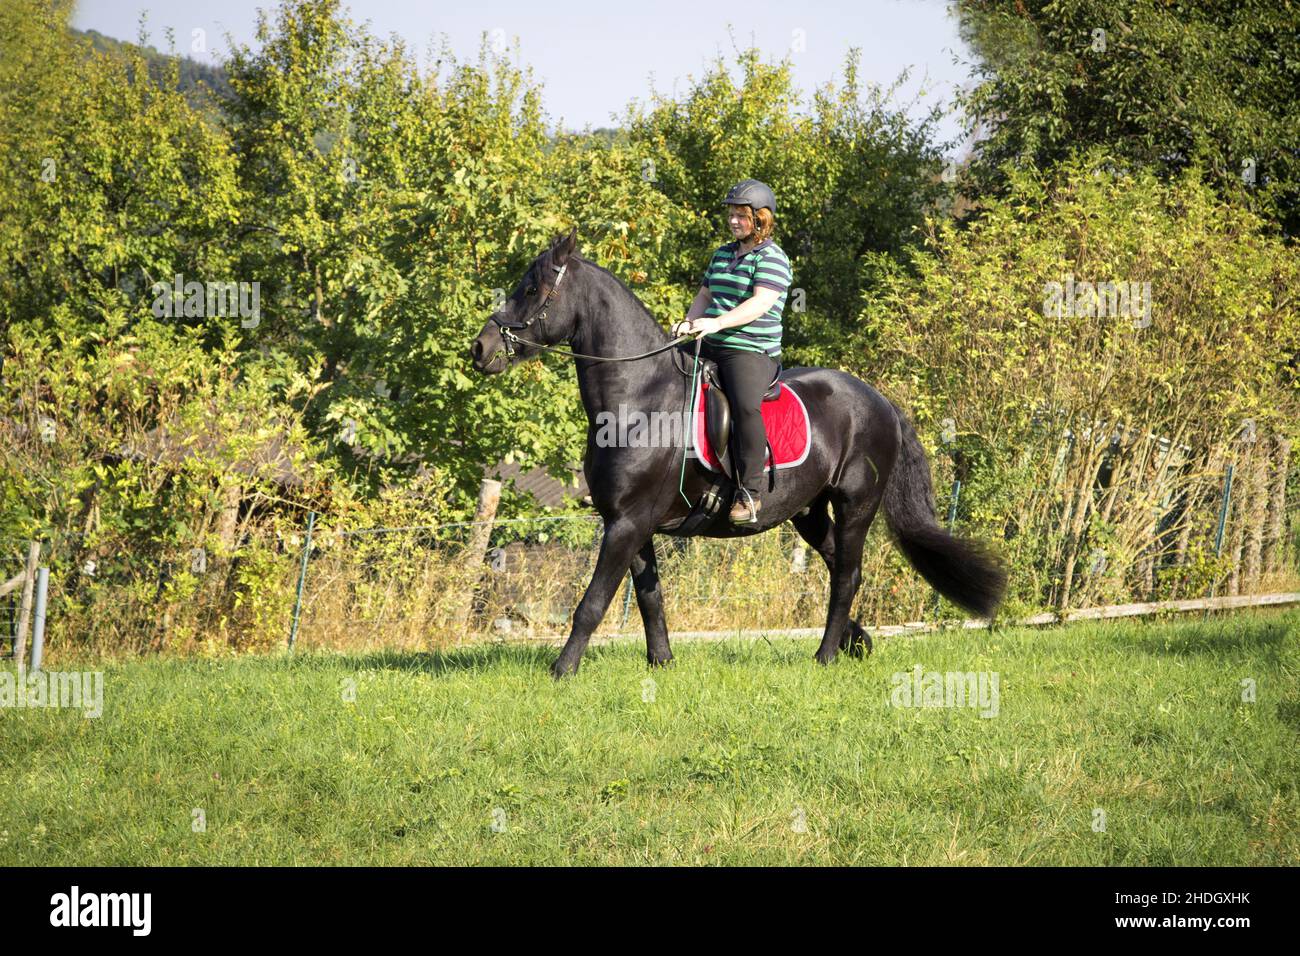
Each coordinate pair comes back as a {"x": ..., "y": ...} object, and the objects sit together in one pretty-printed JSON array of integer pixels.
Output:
[{"x": 864, "y": 452}]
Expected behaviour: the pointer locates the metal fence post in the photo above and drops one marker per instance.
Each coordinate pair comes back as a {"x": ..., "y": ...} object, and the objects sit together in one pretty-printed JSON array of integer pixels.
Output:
[
  {"x": 302, "y": 578},
  {"x": 38, "y": 625},
  {"x": 1218, "y": 535},
  {"x": 627, "y": 602},
  {"x": 1223, "y": 512}
]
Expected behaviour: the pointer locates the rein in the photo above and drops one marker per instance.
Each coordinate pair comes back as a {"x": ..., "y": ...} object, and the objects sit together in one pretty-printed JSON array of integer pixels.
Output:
[
  {"x": 510, "y": 339},
  {"x": 509, "y": 336}
]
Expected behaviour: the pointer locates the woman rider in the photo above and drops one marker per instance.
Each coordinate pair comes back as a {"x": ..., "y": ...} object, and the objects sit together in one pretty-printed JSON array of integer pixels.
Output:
[{"x": 739, "y": 305}]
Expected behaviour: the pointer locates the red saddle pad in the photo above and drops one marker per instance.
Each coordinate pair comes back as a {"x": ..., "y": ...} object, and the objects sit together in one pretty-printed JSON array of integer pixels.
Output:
[{"x": 788, "y": 430}]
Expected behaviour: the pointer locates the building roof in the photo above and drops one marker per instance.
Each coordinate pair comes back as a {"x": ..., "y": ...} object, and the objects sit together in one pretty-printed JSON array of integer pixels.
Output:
[{"x": 548, "y": 491}]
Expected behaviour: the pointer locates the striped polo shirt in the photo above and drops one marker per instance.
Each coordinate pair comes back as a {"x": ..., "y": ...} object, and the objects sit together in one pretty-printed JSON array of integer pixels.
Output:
[{"x": 732, "y": 278}]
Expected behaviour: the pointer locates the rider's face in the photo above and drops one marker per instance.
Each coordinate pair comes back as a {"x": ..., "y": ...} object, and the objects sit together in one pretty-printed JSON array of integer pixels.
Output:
[{"x": 739, "y": 221}]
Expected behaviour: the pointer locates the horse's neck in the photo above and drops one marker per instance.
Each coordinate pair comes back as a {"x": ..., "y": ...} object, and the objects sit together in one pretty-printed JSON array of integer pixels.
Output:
[{"x": 612, "y": 324}]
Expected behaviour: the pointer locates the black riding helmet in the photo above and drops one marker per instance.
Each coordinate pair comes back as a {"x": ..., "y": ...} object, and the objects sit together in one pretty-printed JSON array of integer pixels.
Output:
[{"x": 751, "y": 192}]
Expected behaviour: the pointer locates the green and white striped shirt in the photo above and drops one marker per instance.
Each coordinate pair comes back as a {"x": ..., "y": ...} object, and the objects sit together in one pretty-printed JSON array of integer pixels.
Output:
[{"x": 732, "y": 278}]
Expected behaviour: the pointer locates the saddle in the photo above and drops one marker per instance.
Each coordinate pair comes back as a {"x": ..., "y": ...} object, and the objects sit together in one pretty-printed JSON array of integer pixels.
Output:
[{"x": 785, "y": 421}]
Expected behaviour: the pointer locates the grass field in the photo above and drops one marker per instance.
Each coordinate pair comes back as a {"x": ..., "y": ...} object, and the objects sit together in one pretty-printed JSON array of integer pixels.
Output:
[{"x": 747, "y": 753}]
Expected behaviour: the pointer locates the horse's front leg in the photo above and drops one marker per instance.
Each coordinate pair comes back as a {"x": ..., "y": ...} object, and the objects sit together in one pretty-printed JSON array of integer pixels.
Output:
[
  {"x": 650, "y": 599},
  {"x": 622, "y": 541}
]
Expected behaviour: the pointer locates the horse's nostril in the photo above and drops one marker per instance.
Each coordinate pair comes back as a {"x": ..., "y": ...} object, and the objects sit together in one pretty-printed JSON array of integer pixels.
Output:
[{"x": 476, "y": 350}]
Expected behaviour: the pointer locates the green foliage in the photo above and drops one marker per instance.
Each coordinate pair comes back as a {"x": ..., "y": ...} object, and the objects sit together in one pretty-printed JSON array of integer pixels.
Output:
[
  {"x": 383, "y": 211},
  {"x": 1037, "y": 393},
  {"x": 111, "y": 183},
  {"x": 200, "y": 83},
  {"x": 1163, "y": 85},
  {"x": 127, "y": 450}
]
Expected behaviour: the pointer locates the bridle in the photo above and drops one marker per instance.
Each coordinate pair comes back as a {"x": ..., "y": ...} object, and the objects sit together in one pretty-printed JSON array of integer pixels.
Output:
[
  {"x": 508, "y": 329},
  {"x": 510, "y": 339}
]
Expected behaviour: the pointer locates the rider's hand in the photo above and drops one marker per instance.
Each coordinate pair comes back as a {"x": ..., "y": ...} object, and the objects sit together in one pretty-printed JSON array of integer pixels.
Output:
[{"x": 684, "y": 327}]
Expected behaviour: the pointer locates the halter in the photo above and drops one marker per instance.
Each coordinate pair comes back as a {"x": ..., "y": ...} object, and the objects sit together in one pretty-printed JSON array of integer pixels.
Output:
[{"x": 507, "y": 330}]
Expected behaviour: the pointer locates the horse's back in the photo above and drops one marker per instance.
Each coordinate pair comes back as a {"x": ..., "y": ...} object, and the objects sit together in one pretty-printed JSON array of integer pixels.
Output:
[{"x": 828, "y": 388}]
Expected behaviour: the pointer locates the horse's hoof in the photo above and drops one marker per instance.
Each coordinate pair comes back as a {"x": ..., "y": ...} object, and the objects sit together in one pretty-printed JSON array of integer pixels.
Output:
[
  {"x": 824, "y": 659},
  {"x": 659, "y": 661},
  {"x": 560, "y": 669},
  {"x": 856, "y": 640}
]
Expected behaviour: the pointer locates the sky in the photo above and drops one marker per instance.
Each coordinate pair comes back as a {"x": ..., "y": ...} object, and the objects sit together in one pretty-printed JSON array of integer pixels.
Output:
[{"x": 593, "y": 58}]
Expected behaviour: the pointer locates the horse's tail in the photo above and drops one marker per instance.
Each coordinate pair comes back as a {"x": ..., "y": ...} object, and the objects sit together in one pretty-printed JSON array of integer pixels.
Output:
[{"x": 960, "y": 569}]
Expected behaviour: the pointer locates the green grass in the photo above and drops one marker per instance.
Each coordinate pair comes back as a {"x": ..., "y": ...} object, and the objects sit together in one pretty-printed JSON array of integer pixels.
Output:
[{"x": 742, "y": 741}]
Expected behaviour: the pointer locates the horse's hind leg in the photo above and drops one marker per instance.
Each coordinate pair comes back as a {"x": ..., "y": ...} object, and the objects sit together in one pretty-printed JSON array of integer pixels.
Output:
[
  {"x": 856, "y": 640},
  {"x": 850, "y": 534},
  {"x": 650, "y": 599},
  {"x": 818, "y": 530}
]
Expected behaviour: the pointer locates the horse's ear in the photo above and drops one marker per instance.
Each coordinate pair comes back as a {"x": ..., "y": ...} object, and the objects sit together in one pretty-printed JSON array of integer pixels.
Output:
[{"x": 564, "y": 247}]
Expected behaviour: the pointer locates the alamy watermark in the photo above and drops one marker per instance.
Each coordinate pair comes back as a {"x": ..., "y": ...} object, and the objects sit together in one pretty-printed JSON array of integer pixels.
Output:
[
  {"x": 637, "y": 429},
  {"x": 83, "y": 690},
  {"x": 130, "y": 910},
  {"x": 1098, "y": 299},
  {"x": 193, "y": 299},
  {"x": 919, "y": 688}
]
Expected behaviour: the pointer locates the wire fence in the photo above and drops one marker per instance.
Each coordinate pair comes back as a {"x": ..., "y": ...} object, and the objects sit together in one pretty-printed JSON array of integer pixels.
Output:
[{"x": 422, "y": 586}]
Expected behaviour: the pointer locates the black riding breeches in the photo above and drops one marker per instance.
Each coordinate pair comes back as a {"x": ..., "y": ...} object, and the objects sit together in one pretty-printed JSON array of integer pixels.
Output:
[{"x": 745, "y": 377}]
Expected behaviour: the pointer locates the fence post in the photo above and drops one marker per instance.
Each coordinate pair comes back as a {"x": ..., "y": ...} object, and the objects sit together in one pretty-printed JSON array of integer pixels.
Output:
[
  {"x": 627, "y": 602},
  {"x": 1223, "y": 512},
  {"x": 952, "y": 507},
  {"x": 302, "y": 578},
  {"x": 38, "y": 625},
  {"x": 489, "y": 496},
  {"x": 1218, "y": 535},
  {"x": 25, "y": 613}
]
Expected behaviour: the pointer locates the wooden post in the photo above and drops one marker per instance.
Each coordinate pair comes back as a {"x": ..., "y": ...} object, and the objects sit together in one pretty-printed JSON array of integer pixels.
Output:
[
  {"x": 25, "y": 613},
  {"x": 1239, "y": 516},
  {"x": 1082, "y": 495},
  {"x": 489, "y": 496},
  {"x": 1198, "y": 501},
  {"x": 1256, "y": 516},
  {"x": 1223, "y": 517},
  {"x": 1274, "y": 537},
  {"x": 227, "y": 531}
]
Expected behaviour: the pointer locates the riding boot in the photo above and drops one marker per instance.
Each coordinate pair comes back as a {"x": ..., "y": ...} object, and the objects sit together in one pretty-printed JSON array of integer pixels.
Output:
[{"x": 746, "y": 508}]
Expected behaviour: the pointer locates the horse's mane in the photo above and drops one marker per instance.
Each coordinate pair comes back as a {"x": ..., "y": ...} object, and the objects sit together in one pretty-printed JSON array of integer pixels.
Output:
[{"x": 632, "y": 296}]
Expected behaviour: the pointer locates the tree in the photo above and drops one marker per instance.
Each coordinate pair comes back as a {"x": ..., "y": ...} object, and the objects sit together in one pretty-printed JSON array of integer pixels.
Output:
[
  {"x": 110, "y": 183},
  {"x": 1161, "y": 84},
  {"x": 853, "y": 179},
  {"x": 1088, "y": 324}
]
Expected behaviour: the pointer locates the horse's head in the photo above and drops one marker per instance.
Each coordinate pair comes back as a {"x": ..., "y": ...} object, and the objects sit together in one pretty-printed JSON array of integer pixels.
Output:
[{"x": 535, "y": 312}]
